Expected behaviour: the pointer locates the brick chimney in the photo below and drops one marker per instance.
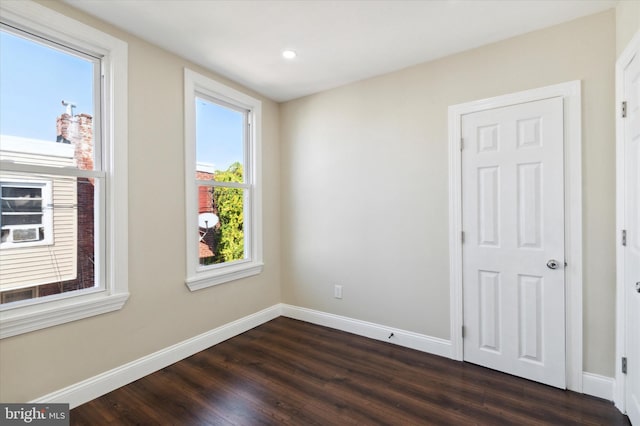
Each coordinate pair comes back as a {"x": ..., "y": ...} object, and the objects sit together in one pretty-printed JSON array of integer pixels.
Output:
[
  {"x": 63, "y": 124},
  {"x": 82, "y": 137},
  {"x": 78, "y": 130}
]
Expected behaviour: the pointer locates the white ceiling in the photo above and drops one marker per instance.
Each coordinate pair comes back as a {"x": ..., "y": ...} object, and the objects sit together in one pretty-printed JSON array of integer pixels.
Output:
[{"x": 337, "y": 42}]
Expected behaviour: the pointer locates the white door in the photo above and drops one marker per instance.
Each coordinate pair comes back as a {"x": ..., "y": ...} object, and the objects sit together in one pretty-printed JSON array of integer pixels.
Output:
[
  {"x": 631, "y": 129},
  {"x": 513, "y": 250}
]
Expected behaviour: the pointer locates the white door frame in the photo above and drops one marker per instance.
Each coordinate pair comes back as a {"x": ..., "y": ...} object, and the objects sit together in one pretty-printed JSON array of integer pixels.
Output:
[
  {"x": 571, "y": 94},
  {"x": 623, "y": 60}
]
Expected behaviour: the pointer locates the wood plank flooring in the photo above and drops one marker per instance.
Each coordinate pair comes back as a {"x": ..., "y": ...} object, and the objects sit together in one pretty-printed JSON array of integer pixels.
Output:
[{"x": 292, "y": 372}]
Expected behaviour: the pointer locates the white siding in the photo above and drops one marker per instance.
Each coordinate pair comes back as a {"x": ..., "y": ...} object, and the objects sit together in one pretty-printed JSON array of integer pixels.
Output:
[{"x": 43, "y": 264}]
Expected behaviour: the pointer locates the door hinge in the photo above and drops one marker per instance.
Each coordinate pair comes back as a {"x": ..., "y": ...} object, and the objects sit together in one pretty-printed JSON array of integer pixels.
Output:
[
  {"x": 624, "y": 109},
  {"x": 624, "y": 365},
  {"x": 624, "y": 237},
  {"x": 462, "y": 236},
  {"x": 463, "y": 332},
  {"x": 461, "y": 144}
]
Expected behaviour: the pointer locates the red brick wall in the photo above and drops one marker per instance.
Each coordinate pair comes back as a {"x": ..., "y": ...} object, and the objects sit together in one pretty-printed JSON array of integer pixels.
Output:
[
  {"x": 205, "y": 205},
  {"x": 78, "y": 130},
  {"x": 82, "y": 138},
  {"x": 205, "y": 195}
]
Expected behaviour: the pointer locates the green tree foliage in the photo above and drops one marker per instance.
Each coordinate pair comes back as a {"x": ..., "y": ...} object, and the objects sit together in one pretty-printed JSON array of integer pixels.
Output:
[{"x": 228, "y": 204}]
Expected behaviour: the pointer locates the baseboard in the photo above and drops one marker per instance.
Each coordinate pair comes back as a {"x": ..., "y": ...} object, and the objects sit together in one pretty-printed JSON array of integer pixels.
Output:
[
  {"x": 597, "y": 385},
  {"x": 421, "y": 342},
  {"x": 94, "y": 387},
  {"x": 106, "y": 382},
  {"x": 592, "y": 384}
]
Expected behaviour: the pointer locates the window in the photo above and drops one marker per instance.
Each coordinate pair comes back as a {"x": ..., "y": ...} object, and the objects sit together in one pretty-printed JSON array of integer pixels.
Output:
[
  {"x": 222, "y": 130},
  {"x": 25, "y": 214},
  {"x": 63, "y": 188}
]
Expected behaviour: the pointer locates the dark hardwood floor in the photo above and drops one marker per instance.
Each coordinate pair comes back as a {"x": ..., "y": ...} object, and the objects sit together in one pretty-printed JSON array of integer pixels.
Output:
[{"x": 292, "y": 372}]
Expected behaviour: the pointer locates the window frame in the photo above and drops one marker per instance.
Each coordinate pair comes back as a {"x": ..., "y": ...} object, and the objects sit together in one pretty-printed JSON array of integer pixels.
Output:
[
  {"x": 197, "y": 276},
  {"x": 111, "y": 120}
]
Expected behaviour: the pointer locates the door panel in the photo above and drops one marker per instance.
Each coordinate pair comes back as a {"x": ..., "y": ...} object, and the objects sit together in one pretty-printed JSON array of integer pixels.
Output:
[
  {"x": 489, "y": 303},
  {"x": 530, "y": 317},
  {"x": 513, "y": 219},
  {"x": 488, "y": 206},
  {"x": 632, "y": 251},
  {"x": 529, "y": 205}
]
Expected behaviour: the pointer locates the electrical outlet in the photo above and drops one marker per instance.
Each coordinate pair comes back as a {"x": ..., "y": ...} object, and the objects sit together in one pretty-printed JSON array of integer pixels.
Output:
[{"x": 337, "y": 291}]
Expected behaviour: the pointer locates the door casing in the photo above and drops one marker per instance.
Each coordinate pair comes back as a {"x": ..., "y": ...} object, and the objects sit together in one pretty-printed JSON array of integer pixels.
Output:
[
  {"x": 624, "y": 59},
  {"x": 571, "y": 94}
]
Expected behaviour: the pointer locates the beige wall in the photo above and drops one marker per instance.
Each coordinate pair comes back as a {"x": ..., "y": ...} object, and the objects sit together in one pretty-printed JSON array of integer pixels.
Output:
[
  {"x": 161, "y": 311},
  {"x": 363, "y": 176},
  {"x": 627, "y": 22},
  {"x": 365, "y": 190}
]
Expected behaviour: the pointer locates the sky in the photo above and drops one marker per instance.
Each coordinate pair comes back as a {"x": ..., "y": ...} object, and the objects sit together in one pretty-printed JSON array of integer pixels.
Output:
[
  {"x": 35, "y": 79},
  {"x": 33, "y": 82},
  {"x": 219, "y": 134}
]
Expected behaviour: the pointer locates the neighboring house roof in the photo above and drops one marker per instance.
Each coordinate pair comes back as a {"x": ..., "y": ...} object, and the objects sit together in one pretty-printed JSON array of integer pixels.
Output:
[{"x": 19, "y": 145}]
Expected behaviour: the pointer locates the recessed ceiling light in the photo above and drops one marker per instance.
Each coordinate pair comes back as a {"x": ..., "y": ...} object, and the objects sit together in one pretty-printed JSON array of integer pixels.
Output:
[{"x": 289, "y": 54}]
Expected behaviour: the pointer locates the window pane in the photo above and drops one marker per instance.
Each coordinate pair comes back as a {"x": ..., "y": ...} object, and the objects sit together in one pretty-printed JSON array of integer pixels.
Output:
[
  {"x": 19, "y": 206},
  {"x": 221, "y": 224},
  {"x": 57, "y": 255},
  {"x": 19, "y": 192},
  {"x": 21, "y": 219},
  {"x": 47, "y": 95},
  {"x": 220, "y": 133}
]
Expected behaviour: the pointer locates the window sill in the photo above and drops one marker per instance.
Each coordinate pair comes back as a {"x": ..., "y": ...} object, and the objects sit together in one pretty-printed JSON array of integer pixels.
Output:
[
  {"x": 23, "y": 320},
  {"x": 231, "y": 273}
]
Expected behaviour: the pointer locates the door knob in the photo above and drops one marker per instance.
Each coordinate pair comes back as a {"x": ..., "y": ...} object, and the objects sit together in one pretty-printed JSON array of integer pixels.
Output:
[
  {"x": 638, "y": 286},
  {"x": 553, "y": 264}
]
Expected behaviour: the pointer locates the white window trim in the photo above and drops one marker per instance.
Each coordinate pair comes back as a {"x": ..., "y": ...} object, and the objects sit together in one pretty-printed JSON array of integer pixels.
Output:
[
  {"x": 197, "y": 277},
  {"x": 47, "y": 213},
  {"x": 23, "y": 319}
]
